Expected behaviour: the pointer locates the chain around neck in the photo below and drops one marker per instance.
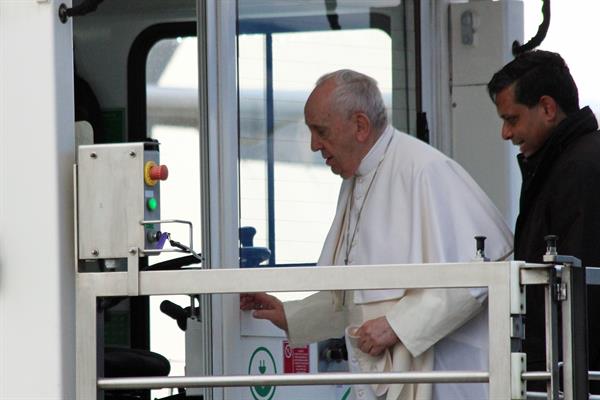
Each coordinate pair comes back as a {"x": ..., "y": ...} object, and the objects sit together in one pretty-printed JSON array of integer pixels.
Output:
[{"x": 350, "y": 238}]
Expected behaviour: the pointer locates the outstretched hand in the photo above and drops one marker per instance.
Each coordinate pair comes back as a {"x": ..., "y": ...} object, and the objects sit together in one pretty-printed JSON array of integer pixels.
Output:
[
  {"x": 265, "y": 306},
  {"x": 376, "y": 335}
]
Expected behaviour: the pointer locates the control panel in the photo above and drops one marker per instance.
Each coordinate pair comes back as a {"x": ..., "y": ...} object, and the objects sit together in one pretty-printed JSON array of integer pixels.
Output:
[{"x": 118, "y": 198}]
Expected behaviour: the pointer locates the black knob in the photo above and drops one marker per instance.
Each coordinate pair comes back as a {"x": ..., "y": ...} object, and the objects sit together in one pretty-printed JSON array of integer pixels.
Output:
[
  {"x": 480, "y": 243},
  {"x": 551, "y": 241},
  {"x": 480, "y": 248},
  {"x": 247, "y": 235},
  {"x": 176, "y": 312}
]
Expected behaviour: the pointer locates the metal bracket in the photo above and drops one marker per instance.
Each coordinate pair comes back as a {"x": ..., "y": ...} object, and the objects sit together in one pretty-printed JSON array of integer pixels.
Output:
[
  {"x": 133, "y": 272},
  {"x": 168, "y": 221},
  {"x": 517, "y": 327},
  {"x": 517, "y": 292},
  {"x": 560, "y": 259}
]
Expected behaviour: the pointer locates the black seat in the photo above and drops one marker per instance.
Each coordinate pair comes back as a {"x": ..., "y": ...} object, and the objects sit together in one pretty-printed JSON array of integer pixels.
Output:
[
  {"x": 120, "y": 362},
  {"x": 123, "y": 362}
]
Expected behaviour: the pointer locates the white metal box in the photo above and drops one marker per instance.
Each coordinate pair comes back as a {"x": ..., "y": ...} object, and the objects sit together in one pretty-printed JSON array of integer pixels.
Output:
[{"x": 114, "y": 196}]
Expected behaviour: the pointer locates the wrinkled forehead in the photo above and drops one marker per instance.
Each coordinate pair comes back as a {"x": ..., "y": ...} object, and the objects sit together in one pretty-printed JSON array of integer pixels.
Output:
[
  {"x": 316, "y": 116},
  {"x": 318, "y": 105},
  {"x": 320, "y": 95}
]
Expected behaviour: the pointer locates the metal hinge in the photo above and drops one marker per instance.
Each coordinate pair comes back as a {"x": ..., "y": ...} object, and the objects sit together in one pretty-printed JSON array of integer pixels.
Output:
[{"x": 517, "y": 328}]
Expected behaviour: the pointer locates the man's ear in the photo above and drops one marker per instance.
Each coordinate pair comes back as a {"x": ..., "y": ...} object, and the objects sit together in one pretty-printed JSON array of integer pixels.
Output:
[
  {"x": 551, "y": 109},
  {"x": 363, "y": 127}
]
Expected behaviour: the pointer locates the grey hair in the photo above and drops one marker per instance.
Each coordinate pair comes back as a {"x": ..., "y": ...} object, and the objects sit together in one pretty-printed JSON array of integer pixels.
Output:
[{"x": 357, "y": 92}]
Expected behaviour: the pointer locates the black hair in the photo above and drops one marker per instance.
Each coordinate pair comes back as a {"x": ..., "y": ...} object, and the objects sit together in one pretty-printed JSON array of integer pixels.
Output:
[{"x": 535, "y": 74}]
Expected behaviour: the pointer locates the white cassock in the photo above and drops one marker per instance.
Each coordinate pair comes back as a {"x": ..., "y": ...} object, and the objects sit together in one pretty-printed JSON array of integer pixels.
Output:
[{"x": 408, "y": 203}]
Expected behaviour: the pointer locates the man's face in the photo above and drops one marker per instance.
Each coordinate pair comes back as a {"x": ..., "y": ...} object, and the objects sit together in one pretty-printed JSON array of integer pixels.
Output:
[
  {"x": 526, "y": 127},
  {"x": 332, "y": 133}
]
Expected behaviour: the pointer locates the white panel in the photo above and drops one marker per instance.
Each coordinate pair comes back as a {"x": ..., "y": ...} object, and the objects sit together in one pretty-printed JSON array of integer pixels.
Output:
[
  {"x": 496, "y": 25},
  {"x": 478, "y": 147},
  {"x": 268, "y": 352},
  {"x": 476, "y": 141},
  {"x": 37, "y": 314},
  {"x": 251, "y": 326}
]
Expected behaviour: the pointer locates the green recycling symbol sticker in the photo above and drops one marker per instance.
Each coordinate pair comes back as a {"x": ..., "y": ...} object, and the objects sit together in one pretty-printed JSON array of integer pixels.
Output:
[{"x": 262, "y": 362}]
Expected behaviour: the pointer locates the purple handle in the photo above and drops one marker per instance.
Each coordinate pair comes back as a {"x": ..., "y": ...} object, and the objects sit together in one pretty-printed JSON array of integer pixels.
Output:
[{"x": 161, "y": 240}]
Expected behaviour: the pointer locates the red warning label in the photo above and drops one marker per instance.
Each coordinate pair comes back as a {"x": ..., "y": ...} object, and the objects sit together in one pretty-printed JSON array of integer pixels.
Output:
[{"x": 295, "y": 360}]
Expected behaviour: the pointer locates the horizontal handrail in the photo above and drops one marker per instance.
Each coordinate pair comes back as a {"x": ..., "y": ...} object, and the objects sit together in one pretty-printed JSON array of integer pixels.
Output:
[
  {"x": 542, "y": 395},
  {"x": 293, "y": 379},
  {"x": 536, "y": 376},
  {"x": 545, "y": 375},
  {"x": 317, "y": 379}
]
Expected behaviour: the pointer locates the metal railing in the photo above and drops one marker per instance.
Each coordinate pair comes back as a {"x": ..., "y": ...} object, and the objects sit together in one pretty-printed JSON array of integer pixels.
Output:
[
  {"x": 504, "y": 281},
  {"x": 294, "y": 379}
]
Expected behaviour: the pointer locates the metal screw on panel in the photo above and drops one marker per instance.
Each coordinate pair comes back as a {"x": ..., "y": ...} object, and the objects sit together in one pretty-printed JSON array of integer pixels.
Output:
[
  {"x": 132, "y": 154},
  {"x": 132, "y": 251},
  {"x": 95, "y": 252},
  {"x": 93, "y": 155}
]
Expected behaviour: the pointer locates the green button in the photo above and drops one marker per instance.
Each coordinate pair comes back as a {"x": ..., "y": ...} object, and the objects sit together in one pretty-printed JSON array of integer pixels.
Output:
[{"x": 152, "y": 204}]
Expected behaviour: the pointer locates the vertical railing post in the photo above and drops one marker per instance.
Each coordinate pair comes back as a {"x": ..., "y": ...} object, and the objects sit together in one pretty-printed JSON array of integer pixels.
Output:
[
  {"x": 574, "y": 328},
  {"x": 551, "y": 329},
  {"x": 517, "y": 335},
  {"x": 570, "y": 290},
  {"x": 499, "y": 296},
  {"x": 86, "y": 370}
]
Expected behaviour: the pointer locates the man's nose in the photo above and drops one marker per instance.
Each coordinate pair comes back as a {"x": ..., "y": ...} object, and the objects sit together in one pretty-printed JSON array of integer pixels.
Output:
[
  {"x": 506, "y": 132},
  {"x": 315, "y": 142}
]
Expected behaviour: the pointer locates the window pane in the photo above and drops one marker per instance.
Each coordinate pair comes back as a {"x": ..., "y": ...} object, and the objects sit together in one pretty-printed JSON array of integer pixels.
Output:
[
  {"x": 172, "y": 113},
  {"x": 287, "y": 192}
]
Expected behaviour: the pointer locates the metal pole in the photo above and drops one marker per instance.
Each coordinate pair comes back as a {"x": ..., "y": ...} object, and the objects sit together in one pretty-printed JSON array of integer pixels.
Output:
[
  {"x": 574, "y": 328},
  {"x": 499, "y": 322},
  {"x": 86, "y": 343},
  {"x": 270, "y": 119},
  {"x": 536, "y": 376},
  {"x": 294, "y": 379},
  {"x": 551, "y": 321}
]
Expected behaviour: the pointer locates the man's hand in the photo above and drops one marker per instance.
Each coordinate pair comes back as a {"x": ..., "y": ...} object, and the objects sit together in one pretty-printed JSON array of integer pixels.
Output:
[
  {"x": 376, "y": 335},
  {"x": 265, "y": 306}
]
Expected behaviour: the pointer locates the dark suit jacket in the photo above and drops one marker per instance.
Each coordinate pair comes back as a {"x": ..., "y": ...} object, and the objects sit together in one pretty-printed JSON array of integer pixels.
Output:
[{"x": 560, "y": 196}]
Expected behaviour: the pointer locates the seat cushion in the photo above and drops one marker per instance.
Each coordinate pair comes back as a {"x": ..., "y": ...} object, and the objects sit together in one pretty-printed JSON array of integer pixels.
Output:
[{"x": 123, "y": 362}]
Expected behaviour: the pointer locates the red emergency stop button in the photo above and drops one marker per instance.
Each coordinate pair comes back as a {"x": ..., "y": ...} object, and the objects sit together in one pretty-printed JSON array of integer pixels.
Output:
[
  {"x": 159, "y": 172},
  {"x": 154, "y": 173}
]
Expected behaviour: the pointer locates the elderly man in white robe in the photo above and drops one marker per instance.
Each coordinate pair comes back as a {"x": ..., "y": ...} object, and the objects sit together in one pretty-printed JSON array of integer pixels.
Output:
[{"x": 401, "y": 201}]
